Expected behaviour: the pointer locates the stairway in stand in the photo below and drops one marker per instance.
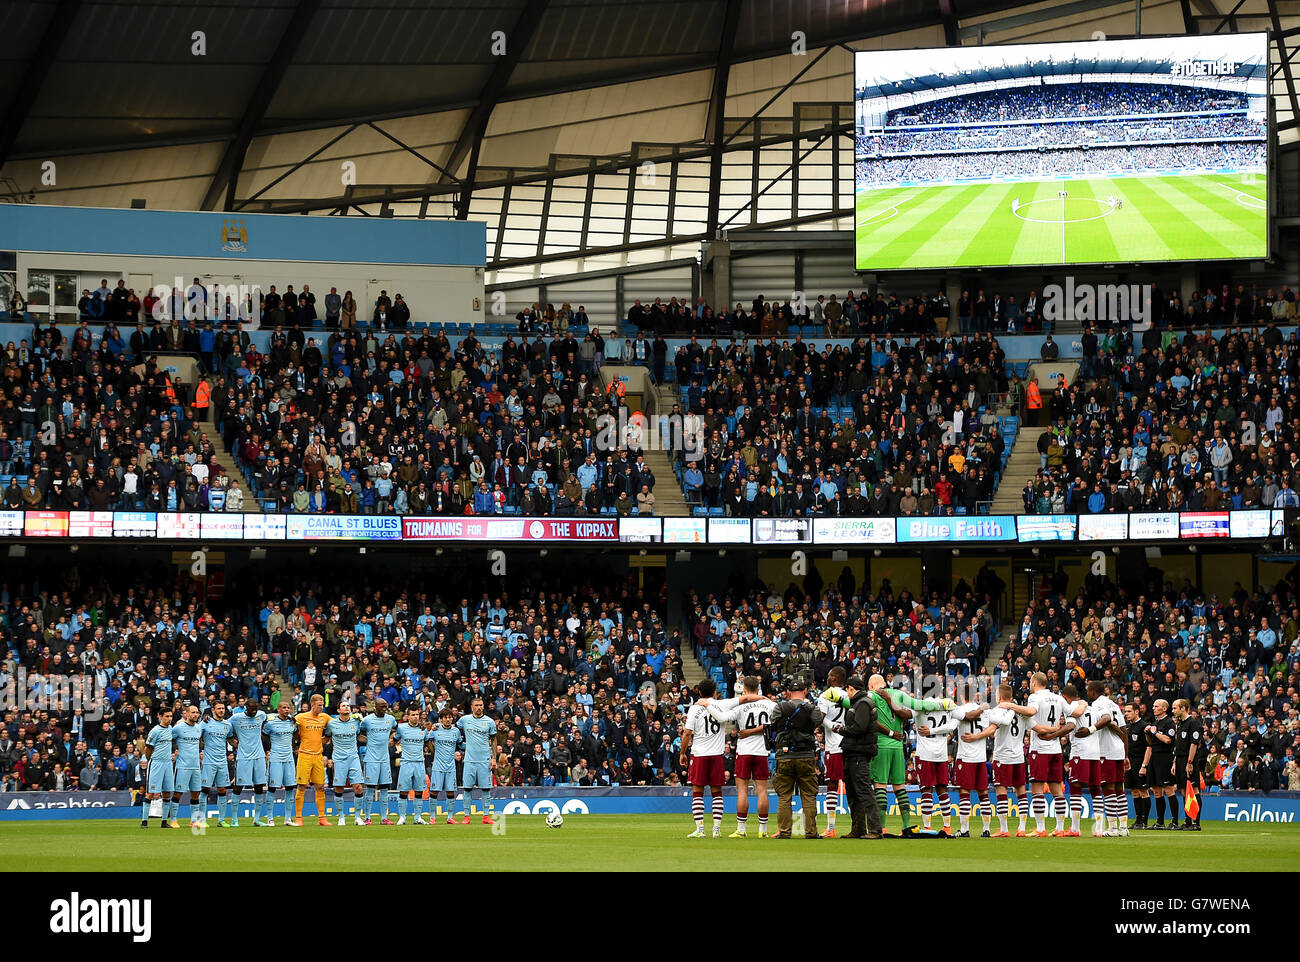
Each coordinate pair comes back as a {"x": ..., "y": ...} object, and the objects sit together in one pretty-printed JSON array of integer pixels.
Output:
[
  {"x": 1021, "y": 467},
  {"x": 692, "y": 671},
  {"x": 227, "y": 463},
  {"x": 670, "y": 501}
]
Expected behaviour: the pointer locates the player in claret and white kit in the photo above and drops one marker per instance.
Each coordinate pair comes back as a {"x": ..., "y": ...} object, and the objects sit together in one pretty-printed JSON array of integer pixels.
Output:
[
  {"x": 1046, "y": 763},
  {"x": 1109, "y": 722},
  {"x": 972, "y": 775},
  {"x": 833, "y": 712},
  {"x": 1085, "y": 761},
  {"x": 703, "y": 742},
  {"x": 933, "y": 729},
  {"x": 1012, "y": 721},
  {"x": 750, "y": 713}
]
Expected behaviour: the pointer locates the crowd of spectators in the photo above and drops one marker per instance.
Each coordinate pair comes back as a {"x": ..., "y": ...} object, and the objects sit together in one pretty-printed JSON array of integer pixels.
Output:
[
  {"x": 584, "y": 679},
  {"x": 1085, "y": 100},
  {"x": 355, "y": 424},
  {"x": 123, "y": 306},
  {"x": 1235, "y": 658},
  {"x": 839, "y": 315},
  {"x": 1170, "y": 422},
  {"x": 415, "y": 426},
  {"x": 102, "y": 427},
  {"x": 790, "y": 432},
  {"x": 902, "y": 142},
  {"x": 1030, "y": 161}
]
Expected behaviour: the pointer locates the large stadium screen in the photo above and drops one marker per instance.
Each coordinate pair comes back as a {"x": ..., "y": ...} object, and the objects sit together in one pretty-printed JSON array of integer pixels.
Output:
[{"x": 1099, "y": 152}]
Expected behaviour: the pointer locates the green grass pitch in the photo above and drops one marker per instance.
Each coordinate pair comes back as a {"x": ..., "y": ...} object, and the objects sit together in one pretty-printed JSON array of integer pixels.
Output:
[
  {"x": 1161, "y": 218},
  {"x": 632, "y": 843}
]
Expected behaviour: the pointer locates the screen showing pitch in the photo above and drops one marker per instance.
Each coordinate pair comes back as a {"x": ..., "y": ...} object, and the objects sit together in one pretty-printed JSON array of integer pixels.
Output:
[{"x": 1154, "y": 149}]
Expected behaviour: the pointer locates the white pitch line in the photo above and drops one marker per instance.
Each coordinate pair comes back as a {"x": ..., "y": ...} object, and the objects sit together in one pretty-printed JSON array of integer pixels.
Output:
[{"x": 1243, "y": 196}]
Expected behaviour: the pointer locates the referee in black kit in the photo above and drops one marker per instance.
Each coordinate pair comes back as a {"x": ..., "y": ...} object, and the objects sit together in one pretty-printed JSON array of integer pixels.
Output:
[
  {"x": 1158, "y": 762},
  {"x": 1189, "y": 758},
  {"x": 1135, "y": 779}
]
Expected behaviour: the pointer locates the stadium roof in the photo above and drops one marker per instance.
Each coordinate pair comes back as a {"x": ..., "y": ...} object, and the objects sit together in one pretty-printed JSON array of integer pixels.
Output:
[
  {"x": 115, "y": 73},
  {"x": 106, "y": 102}
]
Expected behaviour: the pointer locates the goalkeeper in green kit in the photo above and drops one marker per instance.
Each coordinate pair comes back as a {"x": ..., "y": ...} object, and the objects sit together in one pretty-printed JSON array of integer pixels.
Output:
[{"x": 889, "y": 768}]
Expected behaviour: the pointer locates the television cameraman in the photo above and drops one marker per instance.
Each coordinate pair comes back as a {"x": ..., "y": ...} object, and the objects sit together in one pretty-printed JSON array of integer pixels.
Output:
[
  {"x": 793, "y": 726},
  {"x": 859, "y": 730}
]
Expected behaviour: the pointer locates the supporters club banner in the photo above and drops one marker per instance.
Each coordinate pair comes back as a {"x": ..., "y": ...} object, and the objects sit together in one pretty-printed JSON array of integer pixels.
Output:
[
  {"x": 1103, "y": 527},
  {"x": 729, "y": 531},
  {"x": 640, "y": 530},
  {"x": 343, "y": 527},
  {"x": 11, "y": 524},
  {"x": 685, "y": 531},
  {"x": 508, "y": 529},
  {"x": 837, "y": 531},
  {"x": 1046, "y": 527},
  {"x": 959, "y": 530},
  {"x": 850, "y": 531},
  {"x": 1203, "y": 524},
  {"x": 783, "y": 531},
  {"x": 1148, "y": 526},
  {"x": 615, "y": 800}
]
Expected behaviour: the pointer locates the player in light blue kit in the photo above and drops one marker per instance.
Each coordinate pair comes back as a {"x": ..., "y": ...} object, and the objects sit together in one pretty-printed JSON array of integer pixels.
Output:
[
  {"x": 282, "y": 775},
  {"x": 216, "y": 767},
  {"x": 342, "y": 733},
  {"x": 412, "y": 776},
  {"x": 250, "y": 758},
  {"x": 378, "y": 731},
  {"x": 187, "y": 736},
  {"x": 446, "y": 738},
  {"x": 161, "y": 778},
  {"x": 480, "y": 736}
]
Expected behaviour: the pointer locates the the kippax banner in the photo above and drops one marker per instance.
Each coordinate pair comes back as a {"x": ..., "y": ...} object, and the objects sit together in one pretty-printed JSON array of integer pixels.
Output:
[
  {"x": 1046, "y": 527},
  {"x": 619, "y": 800},
  {"x": 472, "y": 528},
  {"x": 1203, "y": 524},
  {"x": 958, "y": 530}
]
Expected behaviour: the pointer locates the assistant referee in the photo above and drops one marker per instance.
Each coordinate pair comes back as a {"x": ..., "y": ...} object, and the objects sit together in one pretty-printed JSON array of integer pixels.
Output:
[{"x": 1189, "y": 759}]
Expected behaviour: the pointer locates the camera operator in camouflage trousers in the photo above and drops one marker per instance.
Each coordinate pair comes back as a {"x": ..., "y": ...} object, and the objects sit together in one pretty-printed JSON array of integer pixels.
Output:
[
  {"x": 794, "y": 722},
  {"x": 859, "y": 729}
]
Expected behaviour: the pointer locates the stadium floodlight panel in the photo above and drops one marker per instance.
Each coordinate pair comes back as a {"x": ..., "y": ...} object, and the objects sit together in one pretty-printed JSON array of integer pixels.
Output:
[{"x": 1146, "y": 150}]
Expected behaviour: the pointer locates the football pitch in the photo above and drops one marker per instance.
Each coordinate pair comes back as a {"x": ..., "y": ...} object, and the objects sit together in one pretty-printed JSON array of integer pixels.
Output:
[
  {"x": 605, "y": 843},
  {"x": 1102, "y": 220}
]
